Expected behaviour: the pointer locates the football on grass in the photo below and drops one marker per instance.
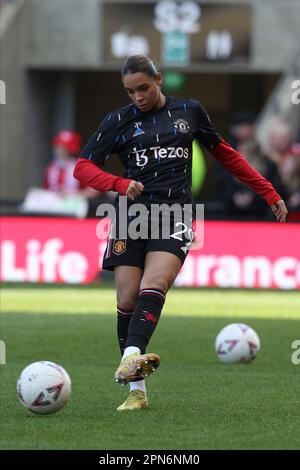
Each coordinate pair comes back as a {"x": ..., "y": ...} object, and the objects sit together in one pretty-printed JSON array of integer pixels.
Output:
[
  {"x": 237, "y": 342},
  {"x": 44, "y": 387}
]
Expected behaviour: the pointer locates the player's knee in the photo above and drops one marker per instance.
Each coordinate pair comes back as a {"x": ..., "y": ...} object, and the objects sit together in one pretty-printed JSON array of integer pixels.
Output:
[
  {"x": 157, "y": 282},
  {"x": 127, "y": 300},
  {"x": 126, "y": 304}
]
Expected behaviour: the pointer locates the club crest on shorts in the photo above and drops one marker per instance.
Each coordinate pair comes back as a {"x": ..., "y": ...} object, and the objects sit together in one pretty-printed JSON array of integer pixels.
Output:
[
  {"x": 119, "y": 247},
  {"x": 182, "y": 126}
]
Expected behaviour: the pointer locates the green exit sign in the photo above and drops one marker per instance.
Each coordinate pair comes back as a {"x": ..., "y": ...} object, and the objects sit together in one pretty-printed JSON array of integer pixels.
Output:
[{"x": 176, "y": 48}]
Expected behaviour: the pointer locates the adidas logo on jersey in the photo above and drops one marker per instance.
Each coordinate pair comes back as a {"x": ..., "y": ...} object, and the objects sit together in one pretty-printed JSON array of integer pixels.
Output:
[{"x": 138, "y": 130}]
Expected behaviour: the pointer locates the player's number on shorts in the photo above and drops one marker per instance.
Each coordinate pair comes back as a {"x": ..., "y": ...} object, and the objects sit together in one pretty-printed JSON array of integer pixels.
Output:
[{"x": 189, "y": 234}]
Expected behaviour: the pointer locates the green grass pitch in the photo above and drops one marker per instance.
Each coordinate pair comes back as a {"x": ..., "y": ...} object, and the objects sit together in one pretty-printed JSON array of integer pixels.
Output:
[{"x": 196, "y": 402}]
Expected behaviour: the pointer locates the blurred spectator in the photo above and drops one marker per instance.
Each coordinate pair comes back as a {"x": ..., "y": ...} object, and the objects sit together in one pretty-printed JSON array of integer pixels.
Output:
[
  {"x": 286, "y": 154},
  {"x": 279, "y": 141},
  {"x": 238, "y": 200},
  {"x": 242, "y": 128},
  {"x": 62, "y": 194},
  {"x": 58, "y": 176},
  {"x": 289, "y": 169}
]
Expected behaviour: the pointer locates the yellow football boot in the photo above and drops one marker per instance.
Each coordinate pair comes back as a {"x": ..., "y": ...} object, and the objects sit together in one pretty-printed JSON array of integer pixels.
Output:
[{"x": 136, "y": 400}]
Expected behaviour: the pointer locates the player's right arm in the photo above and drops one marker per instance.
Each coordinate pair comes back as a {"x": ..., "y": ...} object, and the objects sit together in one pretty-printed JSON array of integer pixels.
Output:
[{"x": 100, "y": 145}]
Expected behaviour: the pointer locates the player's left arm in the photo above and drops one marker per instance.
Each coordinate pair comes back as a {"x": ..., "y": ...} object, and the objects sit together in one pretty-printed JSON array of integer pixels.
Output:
[{"x": 238, "y": 166}]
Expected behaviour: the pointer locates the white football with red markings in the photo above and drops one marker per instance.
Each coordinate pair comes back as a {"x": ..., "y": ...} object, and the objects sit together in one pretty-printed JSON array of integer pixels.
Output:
[
  {"x": 44, "y": 387},
  {"x": 237, "y": 342}
]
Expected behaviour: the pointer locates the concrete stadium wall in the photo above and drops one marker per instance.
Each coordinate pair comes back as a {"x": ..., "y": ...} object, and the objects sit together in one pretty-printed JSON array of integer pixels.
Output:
[
  {"x": 67, "y": 33},
  {"x": 13, "y": 114},
  {"x": 63, "y": 33},
  {"x": 276, "y": 34}
]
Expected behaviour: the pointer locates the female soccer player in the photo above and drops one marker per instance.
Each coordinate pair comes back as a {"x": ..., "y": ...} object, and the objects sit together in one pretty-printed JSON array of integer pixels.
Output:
[{"x": 153, "y": 137}]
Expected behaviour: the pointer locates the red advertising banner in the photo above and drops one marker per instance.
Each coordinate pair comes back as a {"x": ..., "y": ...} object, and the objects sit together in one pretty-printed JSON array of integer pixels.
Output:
[
  {"x": 50, "y": 250},
  {"x": 245, "y": 254},
  {"x": 235, "y": 254}
]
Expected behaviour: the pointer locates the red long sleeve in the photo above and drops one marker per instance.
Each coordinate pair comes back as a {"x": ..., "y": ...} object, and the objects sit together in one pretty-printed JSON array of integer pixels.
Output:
[
  {"x": 237, "y": 165},
  {"x": 89, "y": 174}
]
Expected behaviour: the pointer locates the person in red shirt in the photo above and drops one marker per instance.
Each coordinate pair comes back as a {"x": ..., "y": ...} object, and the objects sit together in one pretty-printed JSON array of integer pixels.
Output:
[
  {"x": 153, "y": 137},
  {"x": 58, "y": 176}
]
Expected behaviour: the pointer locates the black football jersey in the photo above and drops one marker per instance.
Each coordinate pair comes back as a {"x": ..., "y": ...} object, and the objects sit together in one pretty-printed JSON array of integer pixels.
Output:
[{"x": 155, "y": 147}]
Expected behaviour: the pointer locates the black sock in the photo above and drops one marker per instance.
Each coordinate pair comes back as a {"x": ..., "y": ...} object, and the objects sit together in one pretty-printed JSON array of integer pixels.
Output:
[
  {"x": 123, "y": 319},
  {"x": 145, "y": 318}
]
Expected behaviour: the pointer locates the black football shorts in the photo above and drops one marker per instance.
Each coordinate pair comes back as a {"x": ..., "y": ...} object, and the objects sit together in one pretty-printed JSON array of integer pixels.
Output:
[{"x": 126, "y": 251}]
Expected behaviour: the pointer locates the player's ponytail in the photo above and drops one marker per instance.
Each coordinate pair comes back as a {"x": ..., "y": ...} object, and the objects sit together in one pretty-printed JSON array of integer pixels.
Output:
[{"x": 139, "y": 63}]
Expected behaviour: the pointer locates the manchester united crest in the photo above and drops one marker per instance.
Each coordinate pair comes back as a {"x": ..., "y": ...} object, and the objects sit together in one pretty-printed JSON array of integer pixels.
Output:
[
  {"x": 119, "y": 247},
  {"x": 182, "y": 126}
]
